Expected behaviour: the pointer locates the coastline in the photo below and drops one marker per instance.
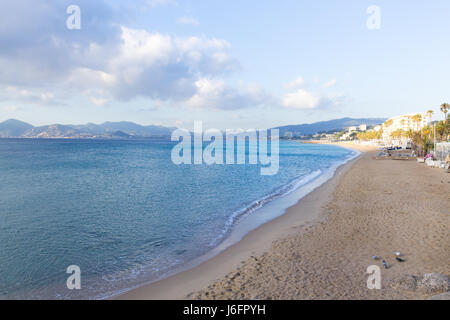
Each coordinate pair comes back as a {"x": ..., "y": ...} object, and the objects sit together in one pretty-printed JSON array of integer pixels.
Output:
[
  {"x": 305, "y": 211},
  {"x": 376, "y": 208},
  {"x": 345, "y": 144}
]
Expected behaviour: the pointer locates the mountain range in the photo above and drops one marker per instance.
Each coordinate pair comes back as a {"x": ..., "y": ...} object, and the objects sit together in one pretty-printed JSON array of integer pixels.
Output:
[
  {"x": 128, "y": 130},
  {"x": 109, "y": 130},
  {"x": 328, "y": 126}
]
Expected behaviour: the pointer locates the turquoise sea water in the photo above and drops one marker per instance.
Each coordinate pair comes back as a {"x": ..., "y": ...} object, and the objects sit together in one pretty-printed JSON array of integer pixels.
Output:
[{"x": 123, "y": 212}]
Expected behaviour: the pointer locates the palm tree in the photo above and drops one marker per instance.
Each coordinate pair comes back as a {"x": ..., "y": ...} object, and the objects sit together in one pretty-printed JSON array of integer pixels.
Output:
[
  {"x": 397, "y": 134},
  {"x": 408, "y": 134},
  {"x": 429, "y": 113},
  {"x": 388, "y": 123},
  {"x": 442, "y": 130},
  {"x": 444, "y": 108},
  {"x": 416, "y": 119},
  {"x": 426, "y": 131}
]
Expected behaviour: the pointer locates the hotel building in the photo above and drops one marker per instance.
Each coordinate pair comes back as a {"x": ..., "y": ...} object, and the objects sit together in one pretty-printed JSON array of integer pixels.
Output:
[{"x": 404, "y": 122}]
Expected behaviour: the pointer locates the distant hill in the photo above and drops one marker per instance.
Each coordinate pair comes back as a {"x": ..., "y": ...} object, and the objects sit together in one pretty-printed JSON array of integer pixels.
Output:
[
  {"x": 13, "y": 128},
  {"x": 128, "y": 130},
  {"x": 51, "y": 131},
  {"x": 136, "y": 129},
  {"x": 91, "y": 128},
  {"x": 325, "y": 126},
  {"x": 122, "y": 130}
]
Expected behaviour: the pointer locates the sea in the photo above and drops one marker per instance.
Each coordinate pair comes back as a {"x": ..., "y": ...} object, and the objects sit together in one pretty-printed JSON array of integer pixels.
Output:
[{"x": 126, "y": 215}]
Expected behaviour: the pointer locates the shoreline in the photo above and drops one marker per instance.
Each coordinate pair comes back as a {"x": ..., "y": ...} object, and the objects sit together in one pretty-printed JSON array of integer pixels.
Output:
[
  {"x": 220, "y": 262},
  {"x": 344, "y": 144},
  {"x": 376, "y": 208}
]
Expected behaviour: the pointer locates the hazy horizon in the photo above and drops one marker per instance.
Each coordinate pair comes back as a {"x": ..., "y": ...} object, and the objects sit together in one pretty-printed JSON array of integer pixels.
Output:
[{"x": 152, "y": 124}]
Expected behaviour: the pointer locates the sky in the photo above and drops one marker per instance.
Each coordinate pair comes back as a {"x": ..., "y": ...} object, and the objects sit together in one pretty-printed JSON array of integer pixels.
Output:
[{"x": 230, "y": 64}]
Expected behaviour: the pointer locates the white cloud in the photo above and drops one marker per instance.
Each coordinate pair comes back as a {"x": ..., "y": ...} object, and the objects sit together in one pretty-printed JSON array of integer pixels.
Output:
[
  {"x": 297, "y": 83},
  {"x": 165, "y": 67},
  {"x": 27, "y": 95},
  {"x": 188, "y": 21},
  {"x": 161, "y": 67},
  {"x": 99, "y": 101},
  {"x": 154, "y": 65},
  {"x": 301, "y": 99},
  {"x": 109, "y": 61},
  {"x": 329, "y": 84},
  {"x": 18, "y": 93},
  {"x": 214, "y": 94}
]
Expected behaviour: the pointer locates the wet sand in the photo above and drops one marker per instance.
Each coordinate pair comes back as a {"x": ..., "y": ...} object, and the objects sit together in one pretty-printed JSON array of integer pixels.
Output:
[{"x": 320, "y": 248}]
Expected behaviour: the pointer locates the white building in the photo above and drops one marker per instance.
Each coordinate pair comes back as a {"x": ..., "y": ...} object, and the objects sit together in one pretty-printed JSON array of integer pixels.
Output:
[
  {"x": 404, "y": 122},
  {"x": 362, "y": 127},
  {"x": 352, "y": 129},
  {"x": 346, "y": 136}
]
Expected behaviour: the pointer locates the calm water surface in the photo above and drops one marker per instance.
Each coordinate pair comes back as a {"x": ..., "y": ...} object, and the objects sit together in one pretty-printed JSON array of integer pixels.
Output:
[{"x": 123, "y": 212}]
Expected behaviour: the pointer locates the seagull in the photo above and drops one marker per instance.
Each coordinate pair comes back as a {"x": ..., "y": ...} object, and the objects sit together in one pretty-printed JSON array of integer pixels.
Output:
[
  {"x": 385, "y": 264},
  {"x": 397, "y": 253},
  {"x": 399, "y": 259}
]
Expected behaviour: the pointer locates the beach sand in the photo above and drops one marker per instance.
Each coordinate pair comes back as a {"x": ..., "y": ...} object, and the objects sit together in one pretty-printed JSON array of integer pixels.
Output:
[{"x": 321, "y": 247}]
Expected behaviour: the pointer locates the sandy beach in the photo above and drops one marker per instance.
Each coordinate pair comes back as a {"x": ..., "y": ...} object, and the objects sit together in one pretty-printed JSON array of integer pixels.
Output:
[{"x": 321, "y": 247}]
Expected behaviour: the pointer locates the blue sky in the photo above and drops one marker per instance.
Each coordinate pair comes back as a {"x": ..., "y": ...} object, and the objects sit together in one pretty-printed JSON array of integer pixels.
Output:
[{"x": 248, "y": 64}]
